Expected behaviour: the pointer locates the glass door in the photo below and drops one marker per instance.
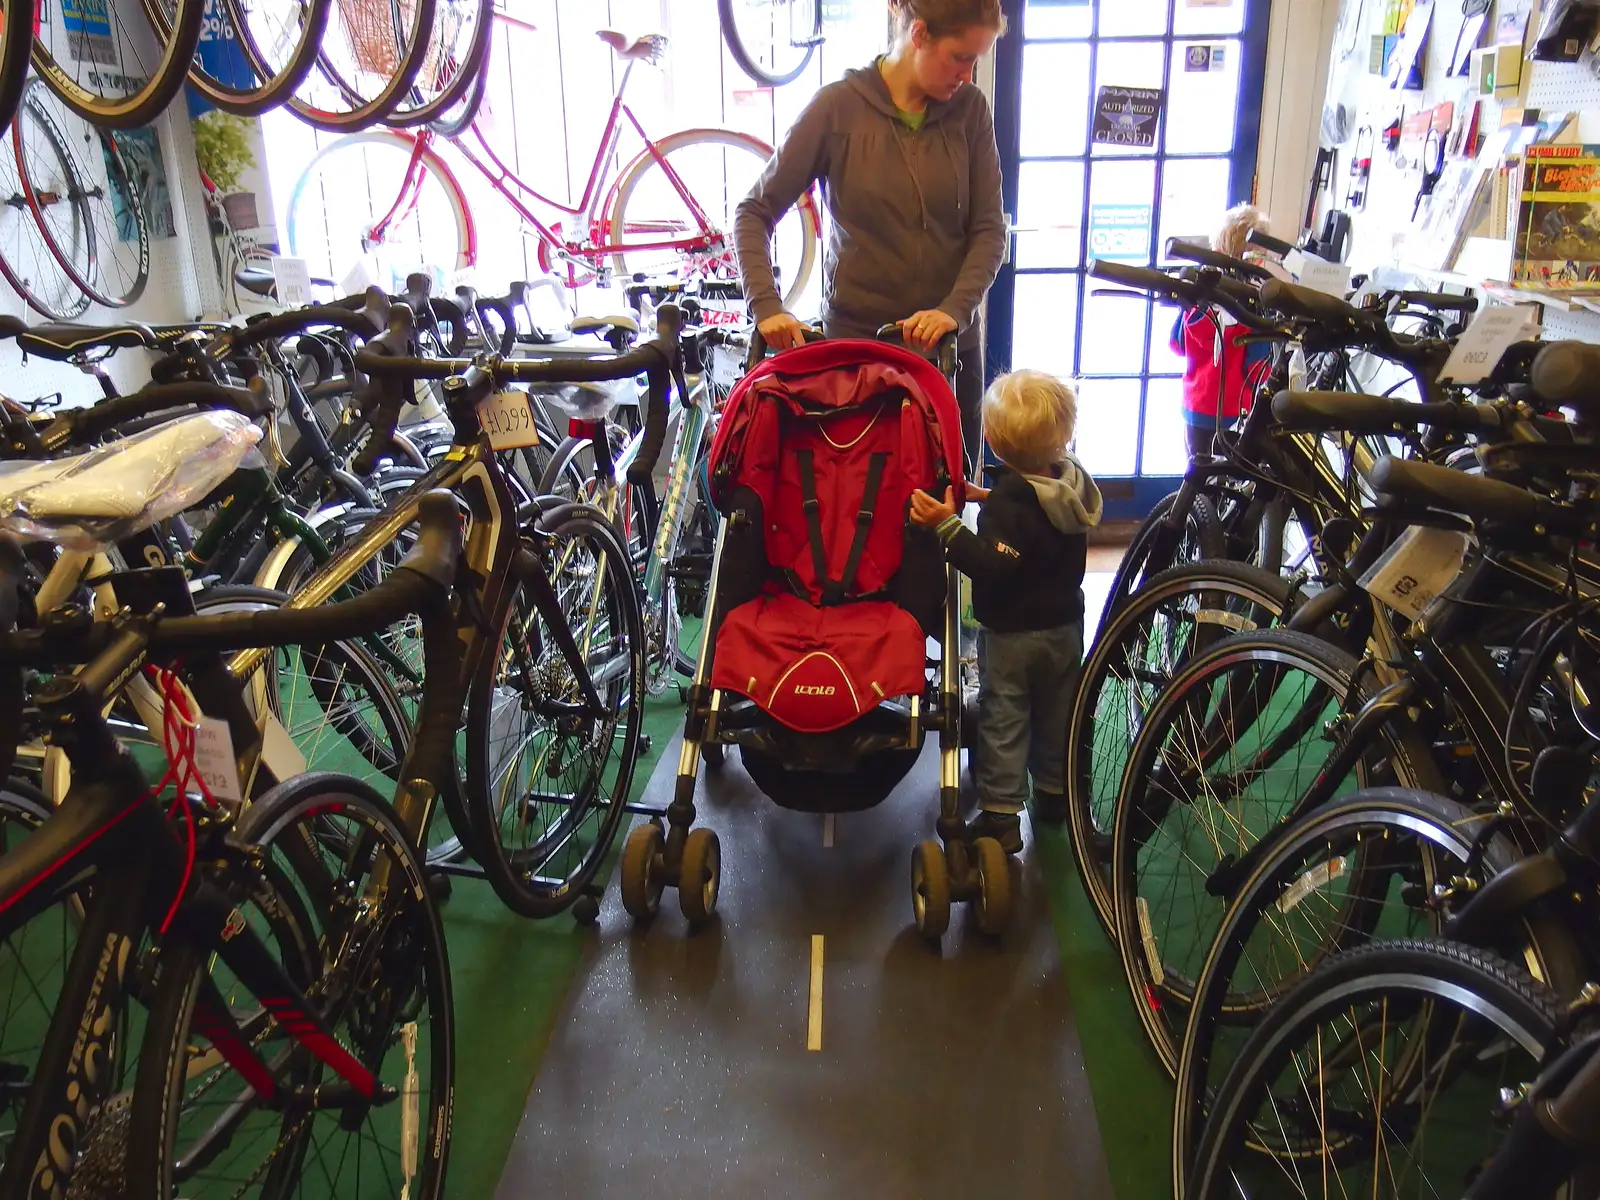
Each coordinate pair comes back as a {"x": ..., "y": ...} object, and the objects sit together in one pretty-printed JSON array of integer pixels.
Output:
[{"x": 1080, "y": 193}]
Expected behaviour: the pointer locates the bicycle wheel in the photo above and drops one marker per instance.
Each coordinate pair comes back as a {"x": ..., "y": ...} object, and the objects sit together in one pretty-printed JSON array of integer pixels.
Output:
[
  {"x": 16, "y": 43},
  {"x": 1353, "y": 871},
  {"x": 356, "y": 182},
  {"x": 1154, "y": 548},
  {"x": 116, "y": 72},
  {"x": 26, "y": 260},
  {"x": 262, "y": 50},
  {"x": 378, "y": 977},
  {"x": 689, "y": 580},
  {"x": 1379, "y": 1075},
  {"x": 546, "y": 788},
  {"x": 372, "y": 52},
  {"x": 1177, "y": 615},
  {"x": 685, "y": 192},
  {"x": 89, "y": 207},
  {"x": 457, "y": 59},
  {"x": 1222, "y": 759},
  {"x": 771, "y": 40}
]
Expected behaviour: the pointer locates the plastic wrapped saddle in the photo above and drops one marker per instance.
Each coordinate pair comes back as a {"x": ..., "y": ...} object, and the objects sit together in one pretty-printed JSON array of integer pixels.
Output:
[{"x": 87, "y": 501}]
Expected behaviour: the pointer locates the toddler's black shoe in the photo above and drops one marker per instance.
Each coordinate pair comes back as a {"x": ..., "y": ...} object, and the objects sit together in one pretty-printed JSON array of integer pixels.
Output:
[
  {"x": 1005, "y": 828},
  {"x": 1049, "y": 808}
]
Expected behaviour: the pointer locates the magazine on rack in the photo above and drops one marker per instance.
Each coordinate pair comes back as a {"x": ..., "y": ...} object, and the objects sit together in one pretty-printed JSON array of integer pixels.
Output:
[{"x": 1556, "y": 243}]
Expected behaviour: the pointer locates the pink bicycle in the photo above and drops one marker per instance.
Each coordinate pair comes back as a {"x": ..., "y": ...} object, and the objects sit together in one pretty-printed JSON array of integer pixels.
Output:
[{"x": 392, "y": 200}]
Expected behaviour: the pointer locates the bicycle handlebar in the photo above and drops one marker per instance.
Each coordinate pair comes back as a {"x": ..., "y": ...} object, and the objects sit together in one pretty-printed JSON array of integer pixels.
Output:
[
  {"x": 894, "y": 333},
  {"x": 1355, "y": 412},
  {"x": 1437, "y": 301},
  {"x": 1293, "y": 300},
  {"x": 1178, "y": 248},
  {"x": 1267, "y": 242},
  {"x": 84, "y": 423},
  {"x": 1470, "y": 495},
  {"x": 1568, "y": 373},
  {"x": 302, "y": 320}
]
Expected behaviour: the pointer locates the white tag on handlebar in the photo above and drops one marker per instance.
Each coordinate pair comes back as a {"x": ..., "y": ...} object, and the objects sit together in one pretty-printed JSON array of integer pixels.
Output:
[
  {"x": 1492, "y": 332},
  {"x": 213, "y": 758},
  {"x": 507, "y": 418},
  {"x": 1422, "y": 563}
]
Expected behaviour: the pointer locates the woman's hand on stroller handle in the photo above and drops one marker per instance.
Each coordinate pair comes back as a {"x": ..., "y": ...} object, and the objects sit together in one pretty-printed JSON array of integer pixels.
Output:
[
  {"x": 927, "y": 511},
  {"x": 782, "y": 331},
  {"x": 922, "y": 330}
]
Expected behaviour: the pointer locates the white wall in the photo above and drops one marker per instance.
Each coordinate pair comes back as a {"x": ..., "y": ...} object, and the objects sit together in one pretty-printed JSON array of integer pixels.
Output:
[{"x": 1298, "y": 40}]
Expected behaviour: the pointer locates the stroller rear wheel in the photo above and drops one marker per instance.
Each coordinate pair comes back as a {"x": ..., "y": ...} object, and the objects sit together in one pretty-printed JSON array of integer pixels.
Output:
[
  {"x": 700, "y": 876},
  {"x": 994, "y": 886},
  {"x": 930, "y": 889},
  {"x": 641, "y": 876}
]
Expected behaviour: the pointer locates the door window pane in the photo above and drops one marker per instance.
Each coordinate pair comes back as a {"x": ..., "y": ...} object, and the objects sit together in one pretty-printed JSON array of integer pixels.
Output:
[
  {"x": 1190, "y": 18},
  {"x": 1162, "y": 360},
  {"x": 1194, "y": 195},
  {"x": 1113, "y": 332},
  {"x": 1050, "y": 203},
  {"x": 1166, "y": 450},
  {"x": 1044, "y": 324},
  {"x": 1108, "y": 425},
  {"x": 1127, "y": 64},
  {"x": 1044, "y": 19},
  {"x": 1130, "y": 18},
  {"x": 1201, "y": 104},
  {"x": 1055, "y": 99},
  {"x": 1121, "y": 211}
]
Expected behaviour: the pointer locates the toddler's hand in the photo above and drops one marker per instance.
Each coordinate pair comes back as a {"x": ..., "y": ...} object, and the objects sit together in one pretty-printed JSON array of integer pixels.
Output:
[
  {"x": 925, "y": 510},
  {"x": 977, "y": 494}
]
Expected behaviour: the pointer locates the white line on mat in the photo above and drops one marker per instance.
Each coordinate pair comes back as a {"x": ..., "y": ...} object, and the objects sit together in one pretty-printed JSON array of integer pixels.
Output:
[{"x": 814, "y": 1011}]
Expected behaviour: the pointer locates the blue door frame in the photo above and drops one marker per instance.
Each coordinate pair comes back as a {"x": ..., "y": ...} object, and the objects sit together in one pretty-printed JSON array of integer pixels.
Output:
[{"x": 1126, "y": 497}]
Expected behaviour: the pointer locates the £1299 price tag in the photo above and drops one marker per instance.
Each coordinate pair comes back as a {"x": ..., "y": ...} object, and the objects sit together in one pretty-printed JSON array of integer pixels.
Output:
[
  {"x": 507, "y": 417},
  {"x": 1492, "y": 332}
]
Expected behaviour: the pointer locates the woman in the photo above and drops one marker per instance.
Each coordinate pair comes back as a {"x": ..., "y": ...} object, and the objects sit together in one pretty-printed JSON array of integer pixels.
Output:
[{"x": 906, "y": 155}]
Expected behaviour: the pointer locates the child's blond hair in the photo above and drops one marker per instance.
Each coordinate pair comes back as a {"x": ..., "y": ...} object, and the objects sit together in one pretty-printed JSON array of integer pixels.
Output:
[
  {"x": 1029, "y": 418},
  {"x": 1237, "y": 224}
]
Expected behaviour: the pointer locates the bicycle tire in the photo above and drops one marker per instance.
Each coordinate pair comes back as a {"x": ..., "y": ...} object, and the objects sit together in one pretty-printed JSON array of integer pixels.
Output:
[
  {"x": 449, "y": 85},
  {"x": 1288, "y": 877},
  {"x": 360, "y": 111},
  {"x": 455, "y": 119},
  {"x": 750, "y": 63},
  {"x": 651, "y": 158},
  {"x": 1096, "y": 754},
  {"x": 29, "y": 264},
  {"x": 523, "y": 876},
  {"x": 1160, "y": 968},
  {"x": 275, "y": 82},
  {"x": 16, "y": 46},
  {"x": 406, "y": 968},
  {"x": 160, "y": 86},
  {"x": 1149, "y": 553},
  {"x": 1499, "y": 996},
  {"x": 311, "y": 204},
  {"x": 112, "y": 214}
]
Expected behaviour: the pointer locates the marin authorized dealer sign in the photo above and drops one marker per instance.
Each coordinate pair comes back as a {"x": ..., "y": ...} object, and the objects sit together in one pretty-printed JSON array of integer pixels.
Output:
[{"x": 1126, "y": 116}]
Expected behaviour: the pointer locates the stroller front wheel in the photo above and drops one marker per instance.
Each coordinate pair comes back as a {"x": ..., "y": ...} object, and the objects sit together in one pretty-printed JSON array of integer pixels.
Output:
[
  {"x": 930, "y": 889},
  {"x": 641, "y": 876},
  {"x": 994, "y": 886},
  {"x": 700, "y": 875}
]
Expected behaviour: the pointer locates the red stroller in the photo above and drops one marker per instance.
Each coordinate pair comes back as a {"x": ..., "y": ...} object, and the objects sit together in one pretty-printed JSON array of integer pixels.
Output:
[{"x": 823, "y": 598}]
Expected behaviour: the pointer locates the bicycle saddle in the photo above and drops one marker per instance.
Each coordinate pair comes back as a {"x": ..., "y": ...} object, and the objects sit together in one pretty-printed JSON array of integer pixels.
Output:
[
  {"x": 600, "y": 324},
  {"x": 259, "y": 282},
  {"x": 646, "y": 45},
  {"x": 61, "y": 340}
]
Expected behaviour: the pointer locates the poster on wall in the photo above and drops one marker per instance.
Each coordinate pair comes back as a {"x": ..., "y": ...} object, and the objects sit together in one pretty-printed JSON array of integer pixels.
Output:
[
  {"x": 1120, "y": 232},
  {"x": 88, "y": 27},
  {"x": 1127, "y": 116},
  {"x": 141, "y": 151}
]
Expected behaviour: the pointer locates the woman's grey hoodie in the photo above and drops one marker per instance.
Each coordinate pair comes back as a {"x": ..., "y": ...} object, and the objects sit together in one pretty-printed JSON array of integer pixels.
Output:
[{"x": 917, "y": 219}]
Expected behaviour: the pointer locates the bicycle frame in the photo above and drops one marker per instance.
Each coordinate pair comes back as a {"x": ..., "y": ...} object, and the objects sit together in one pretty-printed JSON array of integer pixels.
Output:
[{"x": 594, "y": 240}]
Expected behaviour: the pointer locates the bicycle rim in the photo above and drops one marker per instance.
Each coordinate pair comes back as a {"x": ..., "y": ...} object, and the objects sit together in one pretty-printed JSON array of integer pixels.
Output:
[
  {"x": 89, "y": 207},
  {"x": 771, "y": 40},
  {"x": 716, "y": 168},
  {"x": 372, "y": 52},
  {"x": 262, "y": 50},
  {"x": 455, "y": 63},
  {"x": 355, "y": 182},
  {"x": 26, "y": 259},
  {"x": 104, "y": 72}
]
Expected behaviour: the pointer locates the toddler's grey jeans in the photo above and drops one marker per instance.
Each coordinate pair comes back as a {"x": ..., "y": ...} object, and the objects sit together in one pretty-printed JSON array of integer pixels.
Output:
[{"x": 1026, "y": 683}]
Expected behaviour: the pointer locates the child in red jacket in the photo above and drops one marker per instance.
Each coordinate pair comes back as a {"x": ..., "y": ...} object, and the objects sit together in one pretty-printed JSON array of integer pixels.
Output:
[{"x": 1220, "y": 371}]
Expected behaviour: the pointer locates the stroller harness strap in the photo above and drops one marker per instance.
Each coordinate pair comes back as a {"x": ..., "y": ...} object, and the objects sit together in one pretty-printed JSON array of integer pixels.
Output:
[{"x": 836, "y": 591}]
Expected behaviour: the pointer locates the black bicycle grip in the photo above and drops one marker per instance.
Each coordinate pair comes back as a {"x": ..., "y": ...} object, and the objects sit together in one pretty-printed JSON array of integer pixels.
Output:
[
  {"x": 1292, "y": 300},
  {"x": 301, "y": 320},
  {"x": 669, "y": 322},
  {"x": 1567, "y": 373},
  {"x": 1357, "y": 412},
  {"x": 86, "y": 423},
  {"x": 1205, "y": 256},
  {"x": 1267, "y": 242},
  {"x": 1468, "y": 495},
  {"x": 1437, "y": 301},
  {"x": 1142, "y": 279}
]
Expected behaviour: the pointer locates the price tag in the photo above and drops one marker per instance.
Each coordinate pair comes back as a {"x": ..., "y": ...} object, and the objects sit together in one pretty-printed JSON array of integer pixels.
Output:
[
  {"x": 1320, "y": 275},
  {"x": 507, "y": 418},
  {"x": 1421, "y": 564},
  {"x": 1492, "y": 332},
  {"x": 293, "y": 279},
  {"x": 358, "y": 281},
  {"x": 213, "y": 758},
  {"x": 1317, "y": 878}
]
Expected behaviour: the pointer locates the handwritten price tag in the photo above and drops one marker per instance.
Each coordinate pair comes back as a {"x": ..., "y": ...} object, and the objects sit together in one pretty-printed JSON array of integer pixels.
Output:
[
  {"x": 1422, "y": 563},
  {"x": 1321, "y": 275},
  {"x": 292, "y": 279},
  {"x": 507, "y": 417},
  {"x": 1492, "y": 332}
]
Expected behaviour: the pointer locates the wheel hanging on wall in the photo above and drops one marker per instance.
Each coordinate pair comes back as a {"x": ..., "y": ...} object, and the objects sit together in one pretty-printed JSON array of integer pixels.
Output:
[
  {"x": 371, "y": 56},
  {"x": 112, "y": 79},
  {"x": 262, "y": 50},
  {"x": 453, "y": 67},
  {"x": 85, "y": 187},
  {"x": 771, "y": 40},
  {"x": 26, "y": 260}
]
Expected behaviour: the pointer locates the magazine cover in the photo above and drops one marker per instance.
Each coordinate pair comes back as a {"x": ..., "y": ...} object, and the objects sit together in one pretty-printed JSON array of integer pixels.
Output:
[{"x": 1557, "y": 241}]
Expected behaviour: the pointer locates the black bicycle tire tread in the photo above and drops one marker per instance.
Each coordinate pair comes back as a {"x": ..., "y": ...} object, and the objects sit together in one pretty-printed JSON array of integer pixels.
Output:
[
  {"x": 746, "y": 61},
  {"x": 275, "y": 88},
  {"x": 1415, "y": 957},
  {"x": 159, "y": 91}
]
